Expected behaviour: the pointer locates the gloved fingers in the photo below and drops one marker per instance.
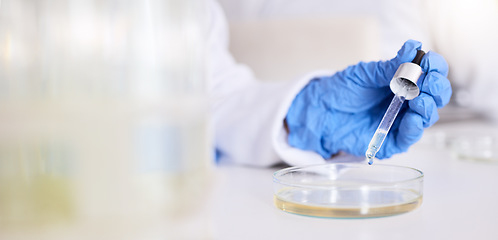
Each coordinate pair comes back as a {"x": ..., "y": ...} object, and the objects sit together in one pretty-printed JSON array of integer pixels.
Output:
[
  {"x": 398, "y": 140},
  {"x": 409, "y": 132},
  {"x": 433, "y": 62},
  {"x": 426, "y": 107},
  {"x": 438, "y": 86}
]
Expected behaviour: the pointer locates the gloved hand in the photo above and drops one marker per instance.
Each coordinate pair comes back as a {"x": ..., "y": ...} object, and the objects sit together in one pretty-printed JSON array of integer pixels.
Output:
[{"x": 341, "y": 112}]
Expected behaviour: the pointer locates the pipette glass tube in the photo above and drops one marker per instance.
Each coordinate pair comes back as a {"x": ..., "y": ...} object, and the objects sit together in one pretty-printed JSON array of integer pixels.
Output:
[
  {"x": 404, "y": 86},
  {"x": 385, "y": 124}
]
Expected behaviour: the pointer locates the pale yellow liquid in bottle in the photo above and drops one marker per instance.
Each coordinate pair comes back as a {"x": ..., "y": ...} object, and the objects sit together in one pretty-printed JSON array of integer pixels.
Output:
[
  {"x": 339, "y": 209},
  {"x": 42, "y": 201}
]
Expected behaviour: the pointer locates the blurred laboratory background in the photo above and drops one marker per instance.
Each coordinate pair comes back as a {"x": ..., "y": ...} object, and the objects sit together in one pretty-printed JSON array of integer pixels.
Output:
[
  {"x": 281, "y": 40},
  {"x": 104, "y": 119}
]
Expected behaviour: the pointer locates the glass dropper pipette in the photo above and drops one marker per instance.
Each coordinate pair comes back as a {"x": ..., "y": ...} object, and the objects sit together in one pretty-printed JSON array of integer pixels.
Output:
[{"x": 404, "y": 86}]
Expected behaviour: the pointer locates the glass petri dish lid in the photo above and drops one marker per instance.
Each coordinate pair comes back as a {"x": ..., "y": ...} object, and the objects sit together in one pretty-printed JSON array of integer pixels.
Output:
[{"x": 348, "y": 190}]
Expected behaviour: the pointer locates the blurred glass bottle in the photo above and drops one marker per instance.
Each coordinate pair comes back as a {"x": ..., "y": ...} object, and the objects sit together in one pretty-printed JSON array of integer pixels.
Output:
[{"x": 103, "y": 117}]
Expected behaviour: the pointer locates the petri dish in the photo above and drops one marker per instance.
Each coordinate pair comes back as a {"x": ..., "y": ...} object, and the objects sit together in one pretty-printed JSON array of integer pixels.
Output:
[{"x": 348, "y": 190}]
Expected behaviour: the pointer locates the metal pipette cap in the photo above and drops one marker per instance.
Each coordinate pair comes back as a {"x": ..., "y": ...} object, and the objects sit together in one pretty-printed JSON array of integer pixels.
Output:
[{"x": 406, "y": 77}]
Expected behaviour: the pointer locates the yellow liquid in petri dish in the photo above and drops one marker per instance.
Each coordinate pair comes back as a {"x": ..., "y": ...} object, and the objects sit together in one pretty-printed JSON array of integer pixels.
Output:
[{"x": 375, "y": 203}]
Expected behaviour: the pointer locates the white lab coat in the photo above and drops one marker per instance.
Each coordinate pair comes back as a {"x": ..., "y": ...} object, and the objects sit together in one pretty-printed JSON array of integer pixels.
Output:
[{"x": 248, "y": 114}]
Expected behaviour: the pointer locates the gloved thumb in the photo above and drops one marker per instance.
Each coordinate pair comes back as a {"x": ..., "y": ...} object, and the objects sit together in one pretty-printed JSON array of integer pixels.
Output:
[
  {"x": 406, "y": 54},
  {"x": 379, "y": 74}
]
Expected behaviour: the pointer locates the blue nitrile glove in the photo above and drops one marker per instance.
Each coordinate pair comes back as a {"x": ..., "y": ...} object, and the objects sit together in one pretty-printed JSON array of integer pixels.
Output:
[{"x": 341, "y": 112}]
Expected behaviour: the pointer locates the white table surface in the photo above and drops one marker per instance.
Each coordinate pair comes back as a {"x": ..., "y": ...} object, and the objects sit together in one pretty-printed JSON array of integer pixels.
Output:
[{"x": 460, "y": 202}]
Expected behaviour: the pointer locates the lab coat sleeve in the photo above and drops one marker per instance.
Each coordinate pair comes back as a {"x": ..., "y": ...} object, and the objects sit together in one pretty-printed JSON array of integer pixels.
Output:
[{"x": 248, "y": 114}]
